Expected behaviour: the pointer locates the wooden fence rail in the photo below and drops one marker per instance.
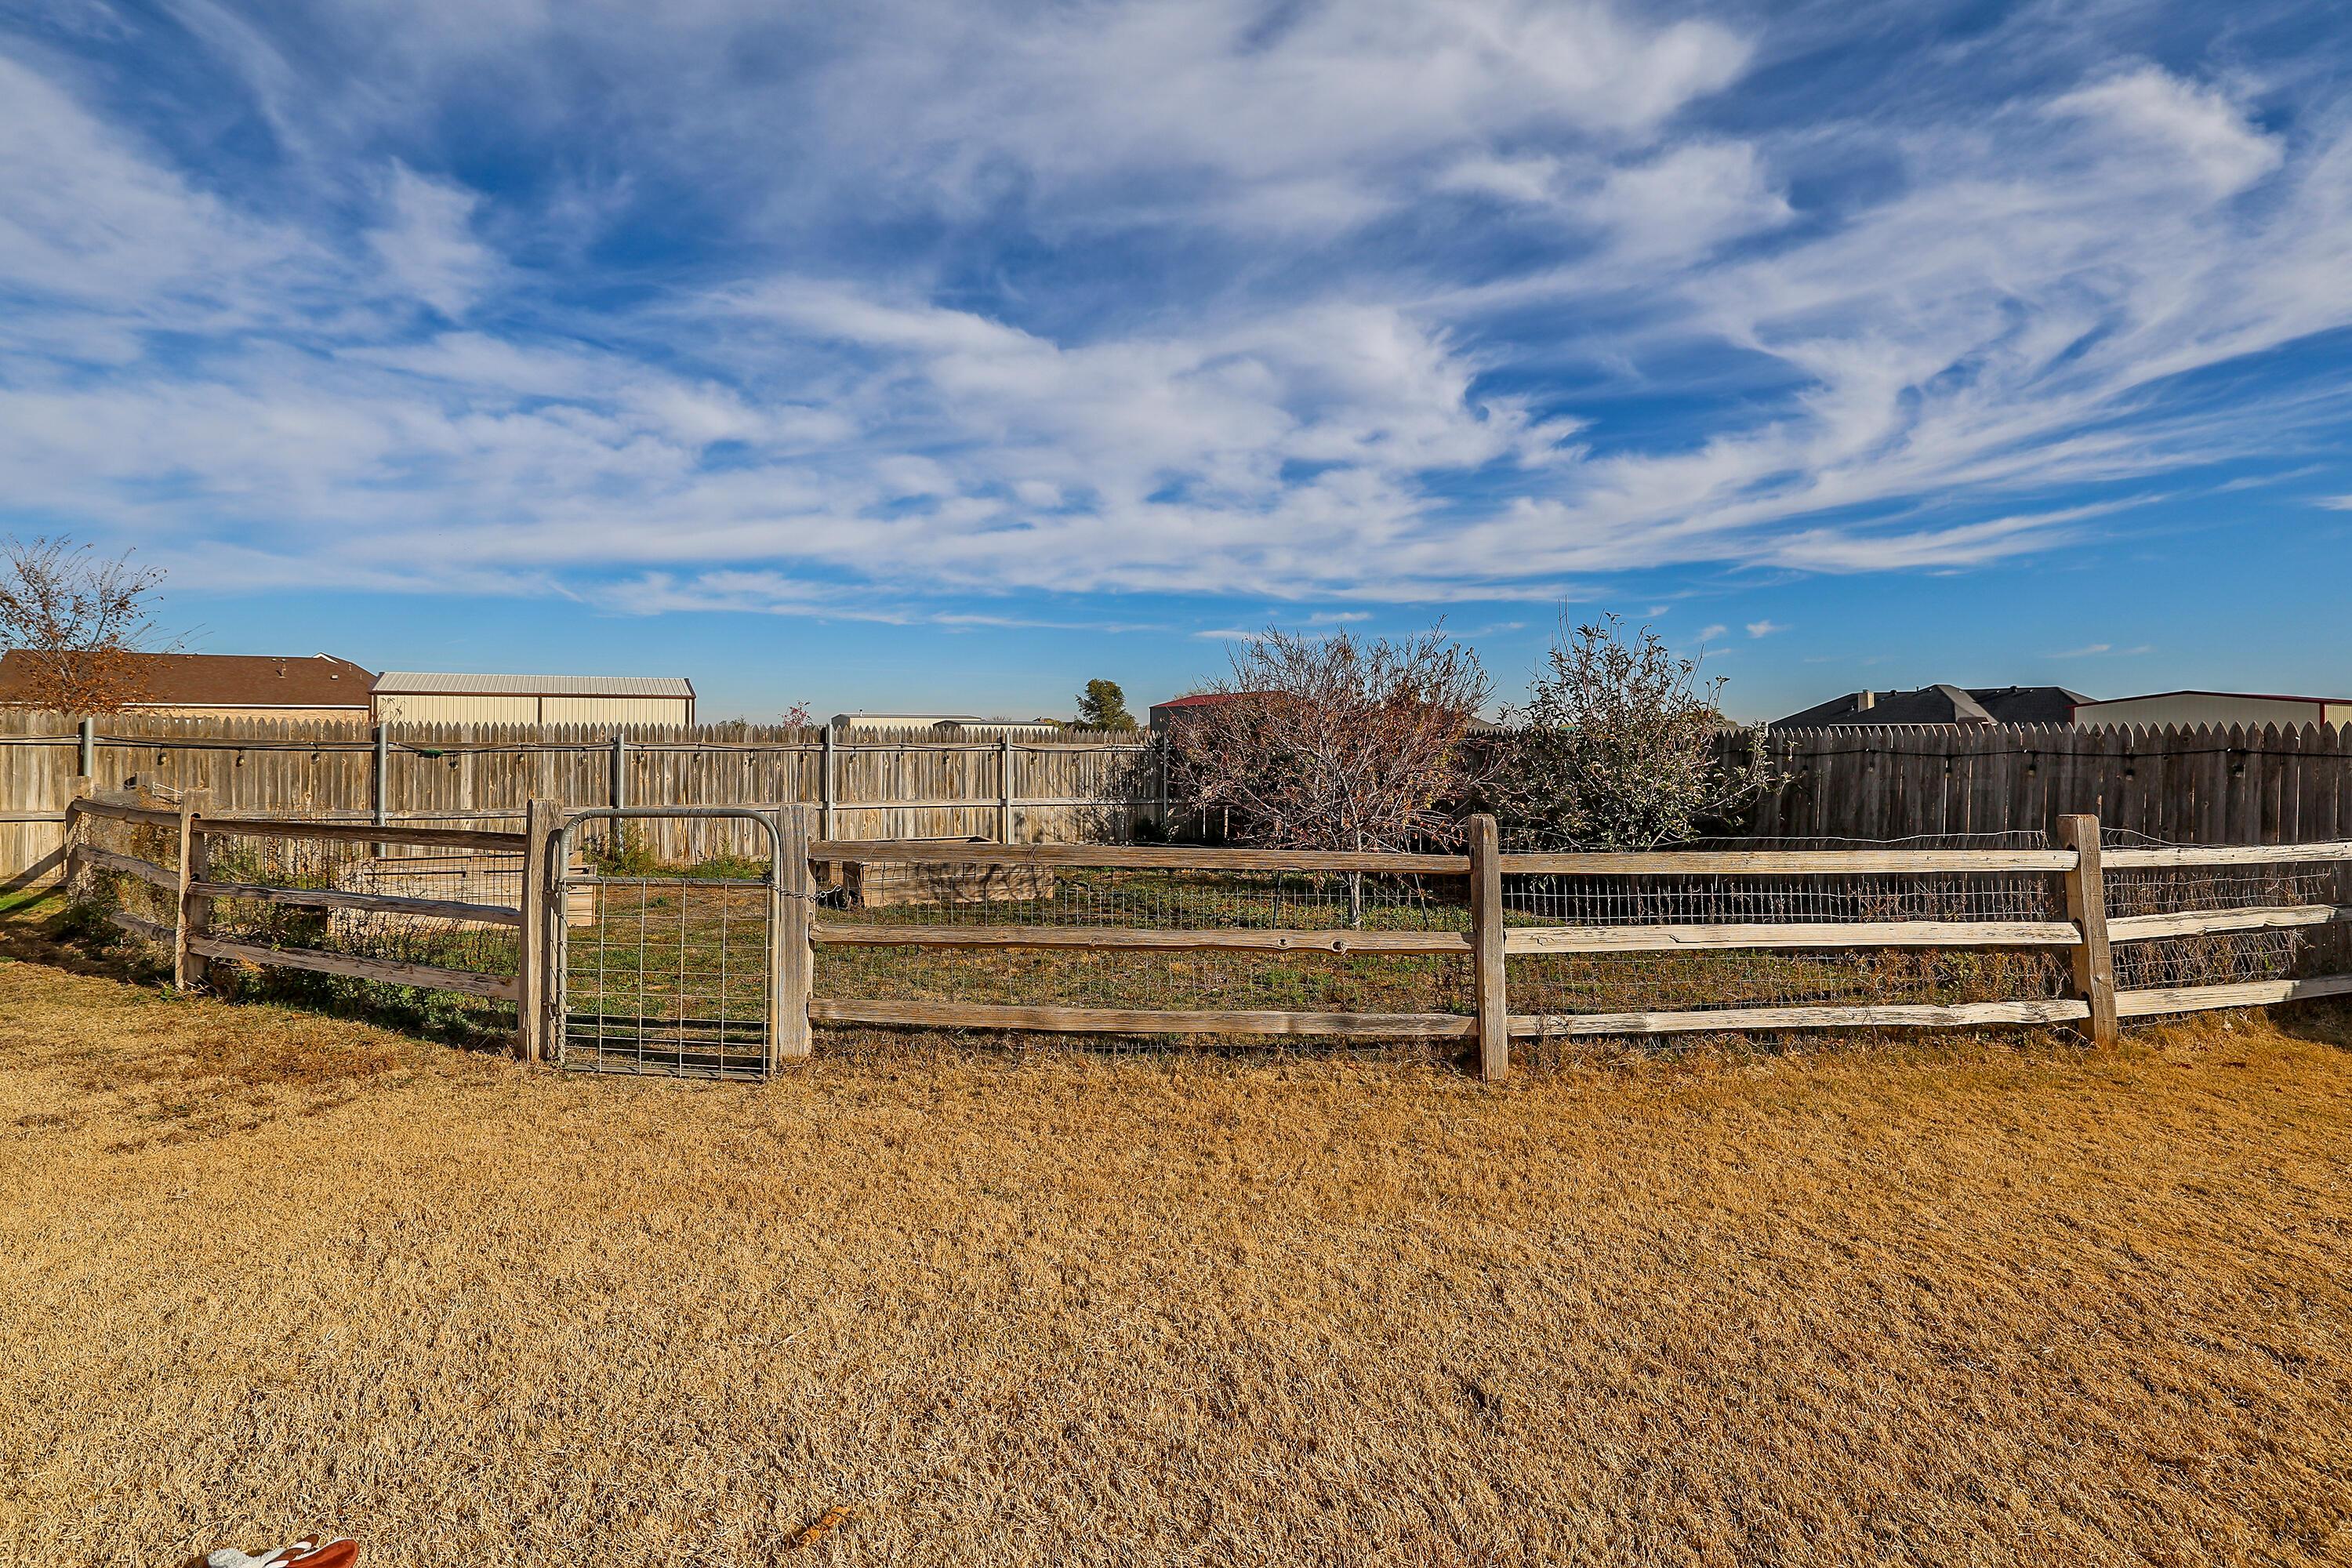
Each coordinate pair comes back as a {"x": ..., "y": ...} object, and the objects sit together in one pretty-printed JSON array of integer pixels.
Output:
[
  {"x": 192, "y": 893},
  {"x": 2085, "y": 936},
  {"x": 1495, "y": 932}
]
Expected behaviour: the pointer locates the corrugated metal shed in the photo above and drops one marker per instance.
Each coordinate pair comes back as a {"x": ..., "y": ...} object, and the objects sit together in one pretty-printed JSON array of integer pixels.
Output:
[
  {"x": 2184, "y": 708},
  {"x": 431, "y": 697},
  {"x": 408, "y": 681}
]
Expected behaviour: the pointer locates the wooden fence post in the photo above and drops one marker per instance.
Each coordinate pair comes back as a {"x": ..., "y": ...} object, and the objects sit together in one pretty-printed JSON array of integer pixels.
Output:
[
  {"x": 792, "y": 968},
  {"x": 84, "y": 787},
  {"x": 1005, "y": 789},
  {"x": 537, "y": 993},
  {"x": 1487, "y": 940},
  {"x": 2086, "y": 906},
  {"x": 190, "y": 913}
]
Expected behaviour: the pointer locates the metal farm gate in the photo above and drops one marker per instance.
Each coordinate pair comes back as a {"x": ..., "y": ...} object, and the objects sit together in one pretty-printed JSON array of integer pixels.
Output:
[{"x": 668, "y": 971}]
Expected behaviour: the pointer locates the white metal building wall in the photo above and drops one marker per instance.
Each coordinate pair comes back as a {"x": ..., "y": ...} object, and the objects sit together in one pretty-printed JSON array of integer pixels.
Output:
[
  {"x": 479, "y": 708},
  {"x": 2209, "y": 708}
]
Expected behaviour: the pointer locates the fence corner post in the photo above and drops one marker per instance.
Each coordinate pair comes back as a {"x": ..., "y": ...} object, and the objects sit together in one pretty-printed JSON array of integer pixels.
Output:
[
  {"x": 2086, "y": 906},
  {"x": 1487, "y": 941},
  {"x": 191, "y": 912},
  {"x": 535, "y": 988},
  {"x": 794, "y": 965}
]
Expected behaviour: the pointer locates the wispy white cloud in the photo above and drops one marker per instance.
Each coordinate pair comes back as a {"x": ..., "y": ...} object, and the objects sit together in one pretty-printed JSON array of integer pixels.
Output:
[
  {"x": 2199, "y": 127},
  {"x": 428, "y": 244},
  {"x": 1714, "y": 632},
  {"x": 2098, "y": 649},
  {"x": 376, "y": 374},
  {"x": 1764, "y": 628}
]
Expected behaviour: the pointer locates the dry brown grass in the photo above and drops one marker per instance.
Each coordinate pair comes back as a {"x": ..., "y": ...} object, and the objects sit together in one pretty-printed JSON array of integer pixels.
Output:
[{"x": 1965, "y": 1303}]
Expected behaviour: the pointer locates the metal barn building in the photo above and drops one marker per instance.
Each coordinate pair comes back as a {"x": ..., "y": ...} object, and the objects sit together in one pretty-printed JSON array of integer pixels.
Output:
[
  {"x": 949, "y": 724},
  {"x": 418, "y": 697},
  {"x": 2247, "y": 708}
]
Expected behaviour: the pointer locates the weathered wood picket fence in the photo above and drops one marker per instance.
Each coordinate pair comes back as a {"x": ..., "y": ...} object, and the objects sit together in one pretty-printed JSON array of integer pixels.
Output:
[
  {"x": 1497, "y": 930},
  {"x": 914, "y": 784},
  {"x": 2261, "y": 786}
]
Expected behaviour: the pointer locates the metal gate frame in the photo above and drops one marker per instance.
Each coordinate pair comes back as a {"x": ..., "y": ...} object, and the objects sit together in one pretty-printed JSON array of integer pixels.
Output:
[{"x": 787, "y": 1035}]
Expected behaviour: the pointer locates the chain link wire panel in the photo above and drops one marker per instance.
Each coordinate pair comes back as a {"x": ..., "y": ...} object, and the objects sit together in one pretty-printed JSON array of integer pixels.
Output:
[
  {"x": 667, "y": 971},
  {"x": 1155, "y": 979}
]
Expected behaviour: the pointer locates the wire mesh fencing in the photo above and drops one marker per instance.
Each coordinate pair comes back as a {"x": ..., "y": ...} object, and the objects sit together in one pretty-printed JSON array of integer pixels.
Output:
[
  {"x": 1556, "y": 985},
  {"x": 668, "y": 972},
  {"x": 465, "y": 917},
  {"x": 684, "y": 969},
  {"x": 2319, "y": 887},
  {"x": 105, "y": 883},
  {"x": 949, "y": 900},
  {"x": 313, "y": 914}
]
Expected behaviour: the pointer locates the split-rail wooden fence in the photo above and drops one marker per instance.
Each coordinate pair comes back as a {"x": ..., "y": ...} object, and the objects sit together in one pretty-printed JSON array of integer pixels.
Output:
[{"x": 2086, "y": 935}]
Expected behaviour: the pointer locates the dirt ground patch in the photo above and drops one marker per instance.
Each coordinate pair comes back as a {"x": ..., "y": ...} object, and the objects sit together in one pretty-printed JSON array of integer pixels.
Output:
[{"x": 1989, "y": 1302}]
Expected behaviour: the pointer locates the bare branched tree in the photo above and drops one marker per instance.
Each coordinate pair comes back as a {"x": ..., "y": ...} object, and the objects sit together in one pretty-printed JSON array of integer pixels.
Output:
[
  {"x": 1618, "y": 747},
  {"x": 1335, "y": 743},
  {"x": 77, "y": 619}
]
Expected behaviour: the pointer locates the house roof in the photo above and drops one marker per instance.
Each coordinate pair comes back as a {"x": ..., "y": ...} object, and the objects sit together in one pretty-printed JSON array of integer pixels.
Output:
[
  {"x": 219, "y": 680},
  {"x": 1942, "y": 704},
  {"x": 430, "y": 683},
  {"x": 1207, "y": 699}
]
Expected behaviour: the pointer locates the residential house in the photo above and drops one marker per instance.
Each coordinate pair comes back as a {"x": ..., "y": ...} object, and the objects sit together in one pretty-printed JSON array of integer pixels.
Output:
[
  {"x": 1178, "y": 711},
  {"x": 1966, "y": 706},
  {"x": 223, "y": 685}
]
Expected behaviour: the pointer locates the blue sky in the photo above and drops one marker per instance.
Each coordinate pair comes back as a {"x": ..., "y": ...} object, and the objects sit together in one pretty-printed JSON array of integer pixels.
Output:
[{"x": 943, "y": 353}]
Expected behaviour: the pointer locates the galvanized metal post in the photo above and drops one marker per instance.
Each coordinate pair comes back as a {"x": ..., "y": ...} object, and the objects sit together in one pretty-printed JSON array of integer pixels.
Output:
[
  {"x": 616, "y": 792},
  {"x": 86, "y": 763},
  {"x": 1005, "y": 789},
  {"x": 1160, "y": 748},
  {"x": 379, "y": 779},
  {"x": 824, "y": 784}
]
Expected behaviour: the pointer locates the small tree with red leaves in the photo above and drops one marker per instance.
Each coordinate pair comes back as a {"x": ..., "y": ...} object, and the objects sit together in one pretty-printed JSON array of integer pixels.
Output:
[
  {"x": 80, "y": 619},
  {"x": 1333, "y": 743}
]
